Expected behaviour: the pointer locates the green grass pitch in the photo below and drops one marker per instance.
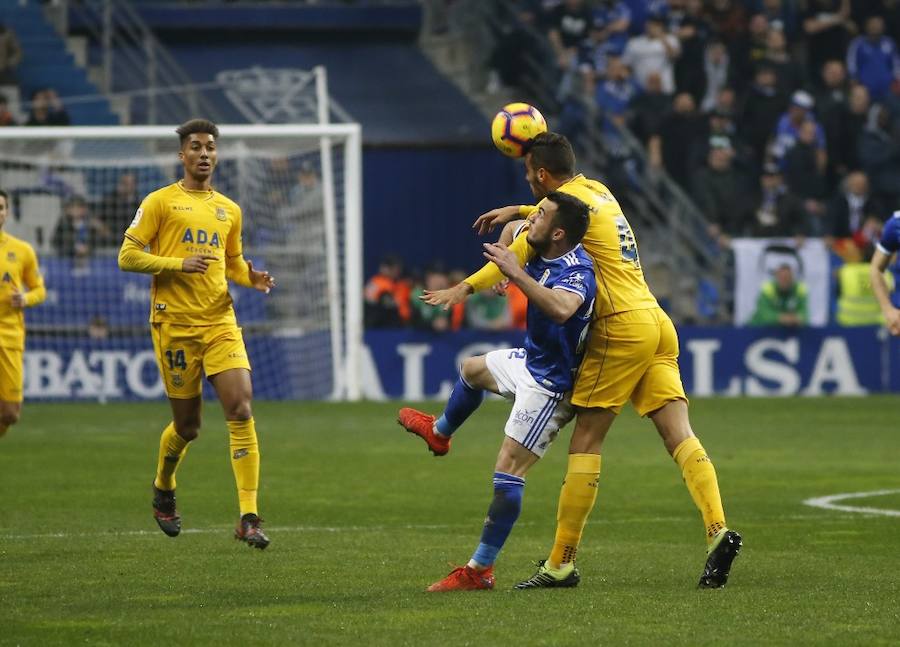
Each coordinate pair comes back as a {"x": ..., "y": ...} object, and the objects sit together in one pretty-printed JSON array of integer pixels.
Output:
[{"x": 362, "y": 518}]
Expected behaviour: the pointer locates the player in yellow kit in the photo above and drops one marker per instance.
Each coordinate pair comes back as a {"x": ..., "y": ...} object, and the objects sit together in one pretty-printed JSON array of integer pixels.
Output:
[
  {"x": 194, "y": 237},
  {"x": 632, "y": 354},
  {"x": 18, "y": 270}
]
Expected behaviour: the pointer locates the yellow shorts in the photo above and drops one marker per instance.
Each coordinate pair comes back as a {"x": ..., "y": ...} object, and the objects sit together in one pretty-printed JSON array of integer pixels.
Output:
[
  {"x": 182, "y": 351},
  {"x": 11, "y": 379},
  {"x": 630, "y": 356}
]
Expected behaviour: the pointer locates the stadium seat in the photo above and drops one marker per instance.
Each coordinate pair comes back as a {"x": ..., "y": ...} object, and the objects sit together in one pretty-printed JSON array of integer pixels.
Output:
[
  {"x": 41, "y": 212},
  {"x": 14, "y": 179}
]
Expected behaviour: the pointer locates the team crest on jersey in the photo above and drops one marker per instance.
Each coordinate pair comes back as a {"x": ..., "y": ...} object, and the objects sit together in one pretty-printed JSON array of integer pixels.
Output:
[
  {"x": 137, "y": 218},
  {"x": 10, "y": 256},
  {"x": 220, "y": 214}
]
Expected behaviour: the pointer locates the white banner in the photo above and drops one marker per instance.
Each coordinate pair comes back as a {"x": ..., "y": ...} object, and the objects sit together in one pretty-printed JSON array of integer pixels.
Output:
[{"x": 756, "y": 258}]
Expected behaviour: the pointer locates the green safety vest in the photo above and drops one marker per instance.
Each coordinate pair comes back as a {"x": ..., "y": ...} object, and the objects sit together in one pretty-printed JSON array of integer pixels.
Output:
[{"x": 857, "y": 305}]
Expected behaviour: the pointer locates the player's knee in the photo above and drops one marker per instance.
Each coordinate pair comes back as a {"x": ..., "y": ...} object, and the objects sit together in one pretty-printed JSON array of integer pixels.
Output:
[
  {"x": 470, "y": 369},
  {"x": 9, "y": 416},
  {"x": 188, "y": 427},
  {"x": 239, "y": 410}
]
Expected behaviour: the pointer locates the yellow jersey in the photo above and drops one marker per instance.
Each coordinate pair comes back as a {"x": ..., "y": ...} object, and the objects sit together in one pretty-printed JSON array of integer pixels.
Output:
[
  {"x": 177, "y": 223},
  {"x": 18, "y": 272},
  {"x": 610, "y": 242}
]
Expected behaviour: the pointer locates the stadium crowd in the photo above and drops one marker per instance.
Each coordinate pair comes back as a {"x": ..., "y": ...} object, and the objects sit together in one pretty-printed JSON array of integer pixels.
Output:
[{"x": 778, "y": 117}]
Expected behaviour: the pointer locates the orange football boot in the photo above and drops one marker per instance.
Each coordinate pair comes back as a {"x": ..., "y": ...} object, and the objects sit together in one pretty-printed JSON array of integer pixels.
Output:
[
  {"x": 422, "y": 424},
  {"x": 466, "y": 578}
]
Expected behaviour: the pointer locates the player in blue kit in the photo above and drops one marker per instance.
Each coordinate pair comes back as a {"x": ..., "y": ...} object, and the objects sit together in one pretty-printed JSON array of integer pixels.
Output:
[
  {"x": 560, "y": 285},
  {"x": 885, "y": 250}
]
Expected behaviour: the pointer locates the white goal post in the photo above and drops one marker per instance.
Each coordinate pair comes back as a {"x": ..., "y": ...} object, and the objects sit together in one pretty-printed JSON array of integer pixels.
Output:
[{"x": 300, "y": 189}]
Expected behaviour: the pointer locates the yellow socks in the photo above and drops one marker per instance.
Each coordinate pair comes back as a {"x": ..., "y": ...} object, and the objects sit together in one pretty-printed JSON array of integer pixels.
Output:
[
  {"x": 700, "y": 478},
  {"x": 245, "y": 462},
  {"x": 579, "y": 491},
  {"x": 172, "y": 449}
]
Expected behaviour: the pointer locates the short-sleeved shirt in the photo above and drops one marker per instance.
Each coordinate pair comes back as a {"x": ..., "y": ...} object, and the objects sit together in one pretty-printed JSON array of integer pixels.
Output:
[
  {"x": 889, "y": 243},
  {"x": 554, "y": 350},
  {"x": 18, "y": 271},
  {"x": 178, "y": 223},
  {"x": 573, "y": 25}
]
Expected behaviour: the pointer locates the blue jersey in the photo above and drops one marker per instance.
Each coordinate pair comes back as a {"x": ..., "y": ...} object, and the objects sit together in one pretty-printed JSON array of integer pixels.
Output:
[
  {"x": 554, "y": 351},
  {"x": 890, "y": 244}
]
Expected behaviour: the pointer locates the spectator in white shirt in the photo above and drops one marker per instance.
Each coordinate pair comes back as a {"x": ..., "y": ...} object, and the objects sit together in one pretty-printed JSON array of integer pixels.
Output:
[{"x": 655, "y": 51}]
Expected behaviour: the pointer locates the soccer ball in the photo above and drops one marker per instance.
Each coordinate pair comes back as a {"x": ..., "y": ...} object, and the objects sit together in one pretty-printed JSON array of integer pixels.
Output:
[{"x": 514, "y": 126}]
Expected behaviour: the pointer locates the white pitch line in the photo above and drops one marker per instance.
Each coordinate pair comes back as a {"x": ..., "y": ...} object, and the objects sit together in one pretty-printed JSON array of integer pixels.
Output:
[
  {"x": 828, "y": 503},
  {"x": 306, "y": 529}
]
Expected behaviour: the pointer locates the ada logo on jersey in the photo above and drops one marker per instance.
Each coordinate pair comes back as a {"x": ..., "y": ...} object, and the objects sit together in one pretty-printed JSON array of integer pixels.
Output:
[
  {"x": 202, "y": 237},
  {"x": 137, "y": 218}
]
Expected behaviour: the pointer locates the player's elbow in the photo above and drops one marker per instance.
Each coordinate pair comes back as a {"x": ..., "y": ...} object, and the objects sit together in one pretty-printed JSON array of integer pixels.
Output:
[
  {"x": 560, "y": 314},
  {"x": 126, "y": 260}
]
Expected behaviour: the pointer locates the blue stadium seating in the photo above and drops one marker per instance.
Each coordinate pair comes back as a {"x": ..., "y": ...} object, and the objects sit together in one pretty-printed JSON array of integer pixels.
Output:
[{"x": 47, "y": 63}]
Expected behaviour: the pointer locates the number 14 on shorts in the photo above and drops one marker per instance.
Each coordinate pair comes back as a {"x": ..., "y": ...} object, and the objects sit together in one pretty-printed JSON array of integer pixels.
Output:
[{"x": 176, "y": 359}]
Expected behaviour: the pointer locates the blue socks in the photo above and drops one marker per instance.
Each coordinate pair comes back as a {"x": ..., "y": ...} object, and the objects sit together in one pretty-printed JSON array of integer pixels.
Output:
[
  {"x": 462, "y": 403},
  {"x": 502, "y": 514}
]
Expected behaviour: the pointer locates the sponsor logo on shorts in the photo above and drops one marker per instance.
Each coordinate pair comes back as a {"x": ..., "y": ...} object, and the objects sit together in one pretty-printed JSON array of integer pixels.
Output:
[
  {"x": 237, "y": 355},
  {"x": 160, "y": 306},
  {"x": 524, "y": 416},
  {"x": 240, "y": 453}
]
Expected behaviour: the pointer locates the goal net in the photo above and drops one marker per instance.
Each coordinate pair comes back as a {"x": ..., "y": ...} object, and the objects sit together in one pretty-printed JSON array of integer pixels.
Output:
[{"x": 73, "y": 191}]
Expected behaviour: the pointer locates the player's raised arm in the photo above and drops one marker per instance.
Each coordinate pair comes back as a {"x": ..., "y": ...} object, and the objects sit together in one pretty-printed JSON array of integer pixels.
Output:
[
  {"x": 558, "y": 304},
  {"x": 239, "y": 270},
  {"x": 487, "y": 277},
  {"x": 880, "y": 262},
  {"x": 487, "y": 222},
  {"x": 490, "y": 274}
]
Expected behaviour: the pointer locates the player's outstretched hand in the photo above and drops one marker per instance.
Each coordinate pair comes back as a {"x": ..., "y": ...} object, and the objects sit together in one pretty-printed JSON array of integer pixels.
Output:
[
  {"x": 505, "y": 260},
  {"x": 500, "y": 288},
  {"x": 262, "y": 281},
  {"x": 447, "y": 298},
  {"x": 892, "y": 321},
  {"x": 487, "y": 222},
  {"x": 197, "y": 264},
  {"x": 17, "y": 300}
]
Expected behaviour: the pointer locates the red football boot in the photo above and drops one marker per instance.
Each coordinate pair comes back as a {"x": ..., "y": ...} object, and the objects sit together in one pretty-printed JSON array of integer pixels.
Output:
[
  {"x": 466, "y": 578},
  {"x": 421, "y": 424}
]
